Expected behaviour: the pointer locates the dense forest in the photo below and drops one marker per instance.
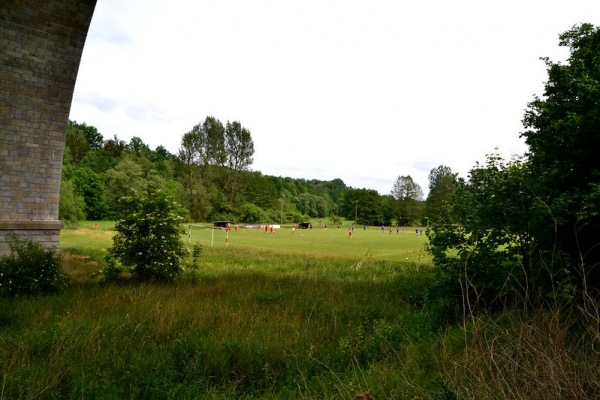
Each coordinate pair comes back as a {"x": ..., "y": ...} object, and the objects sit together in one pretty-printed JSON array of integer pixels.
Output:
[{"x": 212, "y": 179}]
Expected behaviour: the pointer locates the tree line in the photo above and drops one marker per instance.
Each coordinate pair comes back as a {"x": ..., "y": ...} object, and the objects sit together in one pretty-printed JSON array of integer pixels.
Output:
[{"x": 211, "y": 178}]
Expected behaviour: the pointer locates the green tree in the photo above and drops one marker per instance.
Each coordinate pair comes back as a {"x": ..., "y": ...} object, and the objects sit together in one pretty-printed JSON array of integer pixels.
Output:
[
  {"x": 94, "y": 139},
  {"x": 82, "y": 138},
  {"x": 215, "y": 141},
  {"x": 441, "y": 189},
  {"x": 71, "y": 205},
  {"x": 90, "y": 186},
  {"x": 148, "y": 241},
  {"x": 192, "y": 156},
  {"x": 262, "y": 191},
  {"x": 365, "y": 206},
  {"x": 76, "y": 143},
  {"x": 306, "y": 204},
  {"x": 129, "y": 176},
  {"x": 115, "y": 146},
  {"x": 483, "y": 243},
  {"x": 138, "y": 148},
  {"x": 408, "y": 195},
  {"x": 239, "y": 148},
  {"x": 99, "y": 161},
  {"x": 563, "y": 135},
  {"x": 253, "y": 214}
]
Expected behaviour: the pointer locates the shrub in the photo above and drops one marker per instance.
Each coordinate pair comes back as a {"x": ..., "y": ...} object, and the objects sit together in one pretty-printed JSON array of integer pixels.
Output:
[
  {"x": 148, "y": 241},
  {"x": 30, "y": 269},
  {"x": 252, "y": 213}
]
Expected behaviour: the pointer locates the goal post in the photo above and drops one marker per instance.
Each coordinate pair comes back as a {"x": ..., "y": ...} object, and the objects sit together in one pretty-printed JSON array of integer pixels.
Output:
[{"x": 192, "y": 227}]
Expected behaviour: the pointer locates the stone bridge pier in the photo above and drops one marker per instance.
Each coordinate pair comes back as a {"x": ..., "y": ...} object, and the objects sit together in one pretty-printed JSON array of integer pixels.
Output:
[{"x": 41, "y": 43}]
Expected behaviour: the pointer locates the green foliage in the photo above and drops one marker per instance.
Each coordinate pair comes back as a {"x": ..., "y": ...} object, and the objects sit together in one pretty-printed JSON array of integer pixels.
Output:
[
  {"x": 76, "y": 143},
  {"x": 529, "y": 228},
  {"x": 262, "y": 191},
  {"x": 251, "y": 213},
  {"x": 408, "y": 195},
  {"x": 366, "y": 206},
  {"x": 30, "y": 269},
  {"x": 131, "y": 175},
  {"x": 563, "y": 137},
  {"x": 483, "y": 244},
  {"x": 89, "y": 185},
  {"x": 239, "y": 148},
  {"x": 71, "y": 205},
  {"x": 294, "y": 216},
  {"x": 196, "y": 253},
  {"x": 441, "y": 189},
  {"x": 148, "y": 241},
  {"x": 93, "y": 138}
]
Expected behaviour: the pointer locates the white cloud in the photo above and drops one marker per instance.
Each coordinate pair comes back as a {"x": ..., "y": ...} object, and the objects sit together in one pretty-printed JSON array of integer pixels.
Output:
[{"x": 356, "y": 90}]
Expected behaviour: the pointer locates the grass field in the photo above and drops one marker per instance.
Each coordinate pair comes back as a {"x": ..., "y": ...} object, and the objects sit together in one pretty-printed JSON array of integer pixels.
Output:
[
  {"x": 313, "y": 315},
  {"x": 94, "y": 238},
  {"x": 399, "y": 246}
]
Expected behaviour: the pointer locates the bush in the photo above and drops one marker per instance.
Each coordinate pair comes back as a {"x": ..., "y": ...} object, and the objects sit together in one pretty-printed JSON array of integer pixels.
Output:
[
  {"x": 30, "y": 269},
  {"x": 148, "y": 241},
  {"x": 252, "y": 213}
]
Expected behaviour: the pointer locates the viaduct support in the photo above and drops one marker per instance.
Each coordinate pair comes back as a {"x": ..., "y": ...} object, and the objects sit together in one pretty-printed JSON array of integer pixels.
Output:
[{"x": 41, "y": 43}]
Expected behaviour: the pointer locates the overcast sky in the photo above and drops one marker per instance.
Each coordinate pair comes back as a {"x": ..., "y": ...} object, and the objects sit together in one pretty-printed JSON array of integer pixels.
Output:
[{"x": 364, "y": 91}]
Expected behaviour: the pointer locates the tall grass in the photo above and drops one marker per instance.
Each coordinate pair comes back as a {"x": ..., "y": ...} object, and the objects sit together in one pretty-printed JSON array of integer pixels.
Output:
[
  {"x": 262, "y": 321},
  {"x": 546, "y": 354},
  {"x": 254, "y": 323}
]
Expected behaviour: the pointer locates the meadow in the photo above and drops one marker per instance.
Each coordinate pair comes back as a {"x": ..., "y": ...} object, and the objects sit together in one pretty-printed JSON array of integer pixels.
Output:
[{"x": 311, "y": 315}]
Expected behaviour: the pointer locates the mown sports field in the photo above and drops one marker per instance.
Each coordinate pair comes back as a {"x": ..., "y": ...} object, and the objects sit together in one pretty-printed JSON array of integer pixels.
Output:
[
  {"x": 399, "y": 245},
  {"x": 94, "y": 238}
]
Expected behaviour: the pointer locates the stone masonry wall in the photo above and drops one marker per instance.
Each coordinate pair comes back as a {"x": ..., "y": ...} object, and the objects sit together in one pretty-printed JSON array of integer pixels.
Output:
[{"x": 41, "y": 43}]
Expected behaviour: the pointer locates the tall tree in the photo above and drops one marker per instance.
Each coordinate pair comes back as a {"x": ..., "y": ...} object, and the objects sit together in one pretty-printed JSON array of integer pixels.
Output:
[
  {"x": 192, "y": 154},
  {"x": 115, "y": 146},
  {"x": 76, "y": 143},
  {"x": 131, "y": 175},
  {"x": 563, "y": 134},
  {"x": 406, "y": 188},
  {"x": 408, "y": 195},
  {"x": 138, "y": 148},
  {"x": 215, "y": 141},
  {"x": 365, "y": 206},
  {"x": 239, "y": 148},
  {"x": 437, "y": 174},
  {"x": 93, "y": 138},
  {"x": 441, "y": 188}
]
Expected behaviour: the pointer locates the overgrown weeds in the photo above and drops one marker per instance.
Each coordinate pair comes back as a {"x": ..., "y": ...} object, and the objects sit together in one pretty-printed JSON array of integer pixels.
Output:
[
  {"x": 256, "y": 324},
  {"x": 519, "y": 354}
]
